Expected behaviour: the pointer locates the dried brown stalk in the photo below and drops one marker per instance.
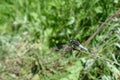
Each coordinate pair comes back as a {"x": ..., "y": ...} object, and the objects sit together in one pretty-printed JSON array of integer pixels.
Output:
[{"x": 102, "y": 26}]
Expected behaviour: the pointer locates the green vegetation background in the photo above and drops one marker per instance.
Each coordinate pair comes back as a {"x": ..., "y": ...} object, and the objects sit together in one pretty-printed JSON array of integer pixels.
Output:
[{"x": 31, "y": 30}]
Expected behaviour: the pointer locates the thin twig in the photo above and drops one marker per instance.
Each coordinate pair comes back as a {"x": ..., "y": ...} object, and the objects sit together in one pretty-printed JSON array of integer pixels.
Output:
[
  {"x": 95, "y": 56},
  {"x": 116, "y": 14}
]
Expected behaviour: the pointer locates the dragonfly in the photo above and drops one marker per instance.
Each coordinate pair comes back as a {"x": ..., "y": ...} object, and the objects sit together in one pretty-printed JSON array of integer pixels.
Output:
[
  {"x": 73, "y": 44},
  {"x": 76, "y": 43}
]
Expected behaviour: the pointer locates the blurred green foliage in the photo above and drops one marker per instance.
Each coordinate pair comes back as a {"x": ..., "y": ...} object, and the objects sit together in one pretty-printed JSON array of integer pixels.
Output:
[
  {"x": 65, "y": 19},
  {"x": 30, "y": 28}
]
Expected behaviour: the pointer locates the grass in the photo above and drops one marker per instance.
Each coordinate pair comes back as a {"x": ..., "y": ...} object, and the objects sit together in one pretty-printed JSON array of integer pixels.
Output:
[{"x": 31, "y": 33}]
